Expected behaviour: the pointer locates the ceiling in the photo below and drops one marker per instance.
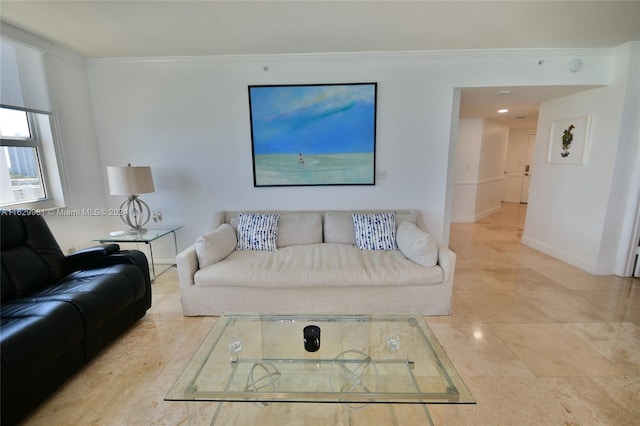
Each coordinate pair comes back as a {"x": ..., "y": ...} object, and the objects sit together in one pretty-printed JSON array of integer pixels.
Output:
[
  {"x": 110, "y": 28},
  {"x": 522, "y": 103},
  {"x": 96, "y": 29}
]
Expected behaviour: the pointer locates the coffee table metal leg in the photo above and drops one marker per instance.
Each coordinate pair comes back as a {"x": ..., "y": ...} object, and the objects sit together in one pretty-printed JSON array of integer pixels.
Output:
[
  {"x": 427, "y": 414},
  {"x": 153, "y": 264},
  {"x": 215, "y": 415}
]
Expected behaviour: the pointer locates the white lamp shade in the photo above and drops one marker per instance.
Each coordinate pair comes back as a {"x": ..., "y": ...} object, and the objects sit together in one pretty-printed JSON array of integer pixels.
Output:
[{"x": 130, "y": 180}]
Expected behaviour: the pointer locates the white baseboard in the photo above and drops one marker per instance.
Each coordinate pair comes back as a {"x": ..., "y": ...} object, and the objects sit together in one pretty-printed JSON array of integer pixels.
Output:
[
  {"x": 564, "y": 256},
  {"x": 476, "y": 217},
  {"x": 165, "y": 261},
  {"x": 463, "y": 219},
  {"x": 488, "y": 212}
]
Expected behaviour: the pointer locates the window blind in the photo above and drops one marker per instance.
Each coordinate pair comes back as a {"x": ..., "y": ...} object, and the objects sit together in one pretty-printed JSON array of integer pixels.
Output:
[{"x": 23, "y": 83}]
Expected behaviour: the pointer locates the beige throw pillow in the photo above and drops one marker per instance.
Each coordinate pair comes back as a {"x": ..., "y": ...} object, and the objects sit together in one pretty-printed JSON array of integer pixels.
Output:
[
  {"x": 299, "y": 229},
  {"x": 215, "y": 245},
  {"x": 417, "y": 245},
  {"x": 338, "y": 228}
]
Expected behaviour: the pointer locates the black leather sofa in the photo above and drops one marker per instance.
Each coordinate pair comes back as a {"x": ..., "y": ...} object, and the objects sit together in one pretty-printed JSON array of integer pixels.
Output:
[{"x": 57, "y": 311}]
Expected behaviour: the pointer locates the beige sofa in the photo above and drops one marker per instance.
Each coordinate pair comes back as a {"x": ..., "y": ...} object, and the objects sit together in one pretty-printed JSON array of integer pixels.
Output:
[{"x": 316, "y": 268}]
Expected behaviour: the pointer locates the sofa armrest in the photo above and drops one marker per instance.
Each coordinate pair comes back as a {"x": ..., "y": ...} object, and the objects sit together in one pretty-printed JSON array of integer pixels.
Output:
[
  {"x": 87, "y": 258},
  {"x": 137, "y": 258},
  {"x": 93, "y": 252},
  {"x": 447, "y": 261},
  {"x": 187, "y": 263}
]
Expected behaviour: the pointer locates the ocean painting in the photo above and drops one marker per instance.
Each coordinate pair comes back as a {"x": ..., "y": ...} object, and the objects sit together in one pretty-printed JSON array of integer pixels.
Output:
[{"x": 313, "y": 134}]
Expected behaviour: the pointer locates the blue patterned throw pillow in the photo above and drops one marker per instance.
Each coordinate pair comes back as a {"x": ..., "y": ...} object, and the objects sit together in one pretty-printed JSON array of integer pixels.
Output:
[
  {"x": 375, "y": 231},
  {"x": 257, "y": 231}
]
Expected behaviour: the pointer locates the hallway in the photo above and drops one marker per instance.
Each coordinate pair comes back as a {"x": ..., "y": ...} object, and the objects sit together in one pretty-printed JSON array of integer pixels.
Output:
[{"x": 539, "y": 342}]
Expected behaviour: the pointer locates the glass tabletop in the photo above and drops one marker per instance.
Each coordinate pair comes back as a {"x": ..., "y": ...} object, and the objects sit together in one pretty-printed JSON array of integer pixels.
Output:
[
  {"x": 150, "y": 234},
  {"x": 352, "y": 359}
]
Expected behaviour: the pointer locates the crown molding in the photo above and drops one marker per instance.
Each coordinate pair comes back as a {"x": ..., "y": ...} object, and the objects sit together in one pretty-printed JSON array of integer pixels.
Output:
[{"x": 413, "y": 55}]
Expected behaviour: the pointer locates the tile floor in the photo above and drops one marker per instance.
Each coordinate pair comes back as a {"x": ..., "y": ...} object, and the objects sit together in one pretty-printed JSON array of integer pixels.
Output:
[{"x": 537, "y": 341}]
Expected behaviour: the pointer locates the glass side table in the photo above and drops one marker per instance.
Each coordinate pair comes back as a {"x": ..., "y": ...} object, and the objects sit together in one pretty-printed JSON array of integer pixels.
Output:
[{"x": 149, "y": 237}]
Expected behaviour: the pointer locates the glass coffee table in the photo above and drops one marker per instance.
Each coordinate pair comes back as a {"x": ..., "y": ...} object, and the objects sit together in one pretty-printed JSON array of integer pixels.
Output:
[{"x": 355, "y": 361}]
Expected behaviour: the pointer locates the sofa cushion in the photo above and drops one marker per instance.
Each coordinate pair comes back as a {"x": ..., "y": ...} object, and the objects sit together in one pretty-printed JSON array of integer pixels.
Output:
[
  {"x": 257, "y": 231},
  {"x": 375, "y": 231},
  {"x": 338, "y": 228},
  {"x": 29, "y": 345},
  {"x": 215, "y": 245},
  {"x": 299, "y": 229},
  {"x": 313, "y": 265},
  {"x": 99, "y": 294},
  {"x": 28, "y": 351},
  {"x": 31, "y": 258},
  {"x": 417, "y": 245},
  {"x": 24, "y": 270},
  {"x": 29, "y": 230}
]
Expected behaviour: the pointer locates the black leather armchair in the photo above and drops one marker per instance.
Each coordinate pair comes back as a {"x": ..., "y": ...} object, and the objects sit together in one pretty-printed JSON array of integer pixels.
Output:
[{"x": 57, "y": 311}]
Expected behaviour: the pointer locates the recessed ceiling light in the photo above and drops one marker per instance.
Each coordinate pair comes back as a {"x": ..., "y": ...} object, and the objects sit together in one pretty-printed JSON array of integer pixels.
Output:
[
  {"x": 503, "y": 111},
  {"x": 503, "y": 92}
]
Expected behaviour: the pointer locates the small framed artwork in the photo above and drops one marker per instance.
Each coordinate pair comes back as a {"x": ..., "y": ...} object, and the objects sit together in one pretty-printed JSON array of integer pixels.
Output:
[
  {"x": 313, "y": 134},
  {"x": 569, "y": 141}
]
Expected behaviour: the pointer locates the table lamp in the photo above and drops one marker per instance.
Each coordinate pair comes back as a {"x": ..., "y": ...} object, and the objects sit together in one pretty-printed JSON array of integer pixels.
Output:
[{"x": 131, "y": 181}]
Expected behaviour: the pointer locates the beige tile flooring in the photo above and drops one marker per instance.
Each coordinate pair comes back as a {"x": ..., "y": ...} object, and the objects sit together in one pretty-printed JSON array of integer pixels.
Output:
[{"x": 537, "y": 341}]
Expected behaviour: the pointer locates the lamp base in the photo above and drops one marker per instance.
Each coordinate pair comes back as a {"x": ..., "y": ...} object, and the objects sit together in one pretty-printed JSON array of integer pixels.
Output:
[
  {"x": 136, "y": 214},
  {"x": 136, "y": 231}
]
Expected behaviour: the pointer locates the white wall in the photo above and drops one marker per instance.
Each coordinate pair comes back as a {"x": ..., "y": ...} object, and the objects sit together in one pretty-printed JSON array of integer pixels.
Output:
[
  {"x": 625, "y": 187},
  {"x": 188, "y": 119},
  {"x": 465, "y": 184},
  {"x": 79, "y": 154},
  {"x": 626, "y": 175},
  {"x": 493, "y": 157},
  {"x": 479, "y": 169},
  {"x": 573, "y": 209}
]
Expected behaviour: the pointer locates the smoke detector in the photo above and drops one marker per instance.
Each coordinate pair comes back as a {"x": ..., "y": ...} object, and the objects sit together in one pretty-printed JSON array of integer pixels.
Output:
[{"x": 575, "y": 65}]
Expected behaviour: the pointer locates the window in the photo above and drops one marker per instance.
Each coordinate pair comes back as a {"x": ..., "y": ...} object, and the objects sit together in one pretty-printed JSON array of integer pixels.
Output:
[
  {"x": 20, "y": 166},
  {"x": 30, "y": 156}
]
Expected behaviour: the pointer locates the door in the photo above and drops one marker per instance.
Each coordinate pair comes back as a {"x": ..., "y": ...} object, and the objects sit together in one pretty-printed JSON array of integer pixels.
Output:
[
  {"x": 526, "y": 179},
  {"x": 518, "y": 166},
  {"x": 516, "y": 156}
]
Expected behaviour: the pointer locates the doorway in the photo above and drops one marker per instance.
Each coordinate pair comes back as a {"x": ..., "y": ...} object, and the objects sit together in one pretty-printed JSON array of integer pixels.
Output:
[{"x": 519, "y": 166}]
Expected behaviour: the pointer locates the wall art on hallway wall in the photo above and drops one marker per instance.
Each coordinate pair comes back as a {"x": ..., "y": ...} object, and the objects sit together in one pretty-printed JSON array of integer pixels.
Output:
[{"x": 569, "y": 141}]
